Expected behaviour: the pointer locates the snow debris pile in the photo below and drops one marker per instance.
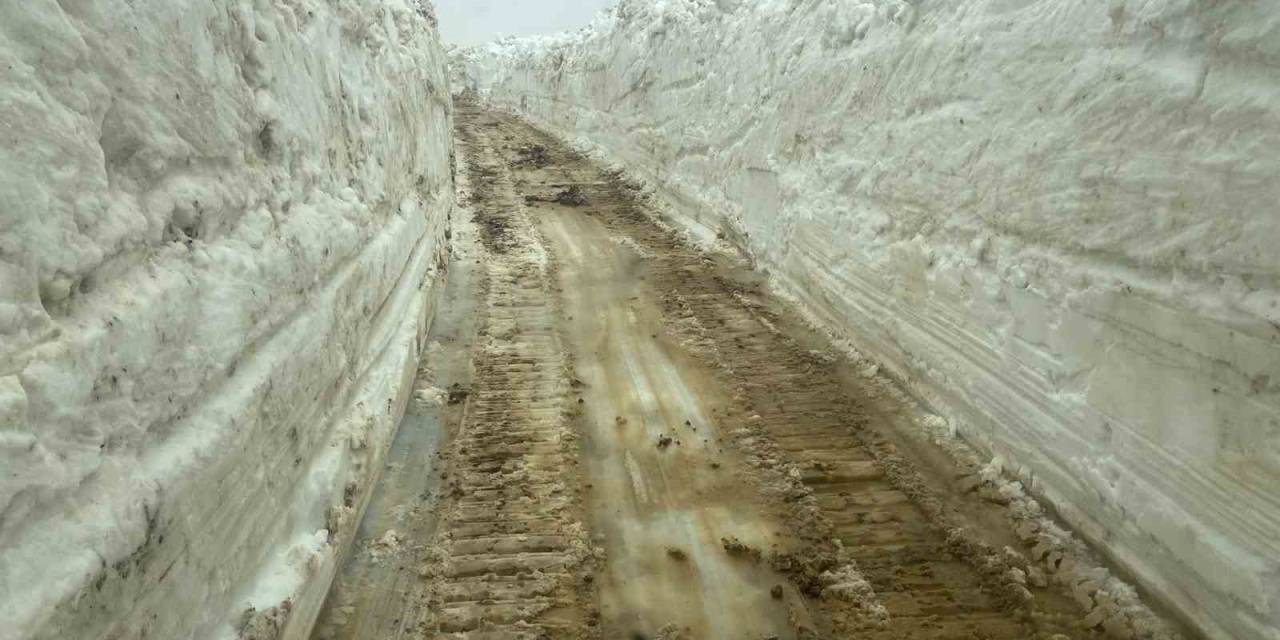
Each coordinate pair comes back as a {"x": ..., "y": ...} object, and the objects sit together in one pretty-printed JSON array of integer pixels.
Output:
[
  {"x": 1055, "y": 222},
  {"x": 220, "y": 225}
]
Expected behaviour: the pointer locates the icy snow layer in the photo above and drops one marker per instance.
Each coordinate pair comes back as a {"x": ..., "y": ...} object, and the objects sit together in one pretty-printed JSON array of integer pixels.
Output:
[
  {"x": 219, "y": 228},
  {"x": 1056, "y": 221}
]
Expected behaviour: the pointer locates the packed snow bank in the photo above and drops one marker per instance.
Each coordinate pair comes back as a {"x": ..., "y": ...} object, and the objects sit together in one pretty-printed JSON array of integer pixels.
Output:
[
  {"x": 220, "y": 225},
  {"x": 1055, "y": 221}
]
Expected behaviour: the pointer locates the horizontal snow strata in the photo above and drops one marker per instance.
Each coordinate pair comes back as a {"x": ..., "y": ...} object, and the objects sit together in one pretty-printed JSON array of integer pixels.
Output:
[
  {"x": 221, "y": 229},
  {"x": 1057, "y": 222}
]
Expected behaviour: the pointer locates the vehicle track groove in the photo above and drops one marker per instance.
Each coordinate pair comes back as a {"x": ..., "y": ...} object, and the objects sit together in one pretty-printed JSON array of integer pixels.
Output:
[{"x": 509, "y": 559}]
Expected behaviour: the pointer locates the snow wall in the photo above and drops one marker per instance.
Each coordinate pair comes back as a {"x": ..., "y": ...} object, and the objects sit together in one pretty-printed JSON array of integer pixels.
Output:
[
  {"x": 1056, "y": 222},
  {"x": 220, "y": 227}
]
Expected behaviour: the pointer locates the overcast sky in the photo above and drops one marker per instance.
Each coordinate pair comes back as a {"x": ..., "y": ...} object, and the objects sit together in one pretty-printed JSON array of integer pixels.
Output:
[{"x": 468, "y": 22}]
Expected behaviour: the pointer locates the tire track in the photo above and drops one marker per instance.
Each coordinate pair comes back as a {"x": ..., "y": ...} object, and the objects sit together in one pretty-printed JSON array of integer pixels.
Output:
[
  {"x": 929, "y": 578},
  {"x": 511, "y": 556}
]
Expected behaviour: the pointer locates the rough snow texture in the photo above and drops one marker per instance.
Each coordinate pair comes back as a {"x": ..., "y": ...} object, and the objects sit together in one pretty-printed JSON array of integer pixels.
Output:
[
  {"x": 219, "y": 227},
  {"x": 1055, "y": 221}
]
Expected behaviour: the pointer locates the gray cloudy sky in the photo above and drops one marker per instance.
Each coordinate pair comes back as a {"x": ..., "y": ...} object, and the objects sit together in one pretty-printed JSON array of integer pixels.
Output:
[{"x": 468, "y": 22}]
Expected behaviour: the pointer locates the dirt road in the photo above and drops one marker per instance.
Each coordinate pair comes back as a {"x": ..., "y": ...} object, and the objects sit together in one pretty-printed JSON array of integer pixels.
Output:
[{"x": 645, "y": 445}]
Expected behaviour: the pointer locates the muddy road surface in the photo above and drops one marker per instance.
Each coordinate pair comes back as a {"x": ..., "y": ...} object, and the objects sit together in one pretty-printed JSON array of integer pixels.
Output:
[{"x": 637, "y": 441}]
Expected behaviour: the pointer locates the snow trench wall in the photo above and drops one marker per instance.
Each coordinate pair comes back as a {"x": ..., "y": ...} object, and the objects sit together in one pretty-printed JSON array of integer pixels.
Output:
[
  {"x": 221, "y": 225},
  {"x": 1057, "y": 222}
]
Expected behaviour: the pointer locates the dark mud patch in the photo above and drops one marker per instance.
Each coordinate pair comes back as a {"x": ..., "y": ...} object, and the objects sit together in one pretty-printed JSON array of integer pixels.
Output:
[
  {"x": 495, "y": 232},
  {"x": 458, "y": 394},
  {"x": 532, "y": 155},
  {"x": 571, "y": 196}
]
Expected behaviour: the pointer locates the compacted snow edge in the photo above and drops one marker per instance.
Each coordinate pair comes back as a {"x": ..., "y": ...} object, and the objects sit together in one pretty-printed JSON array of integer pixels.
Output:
[
  {"x": 1054, "y": 222},
  {"x": 222, "y": 226}
]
